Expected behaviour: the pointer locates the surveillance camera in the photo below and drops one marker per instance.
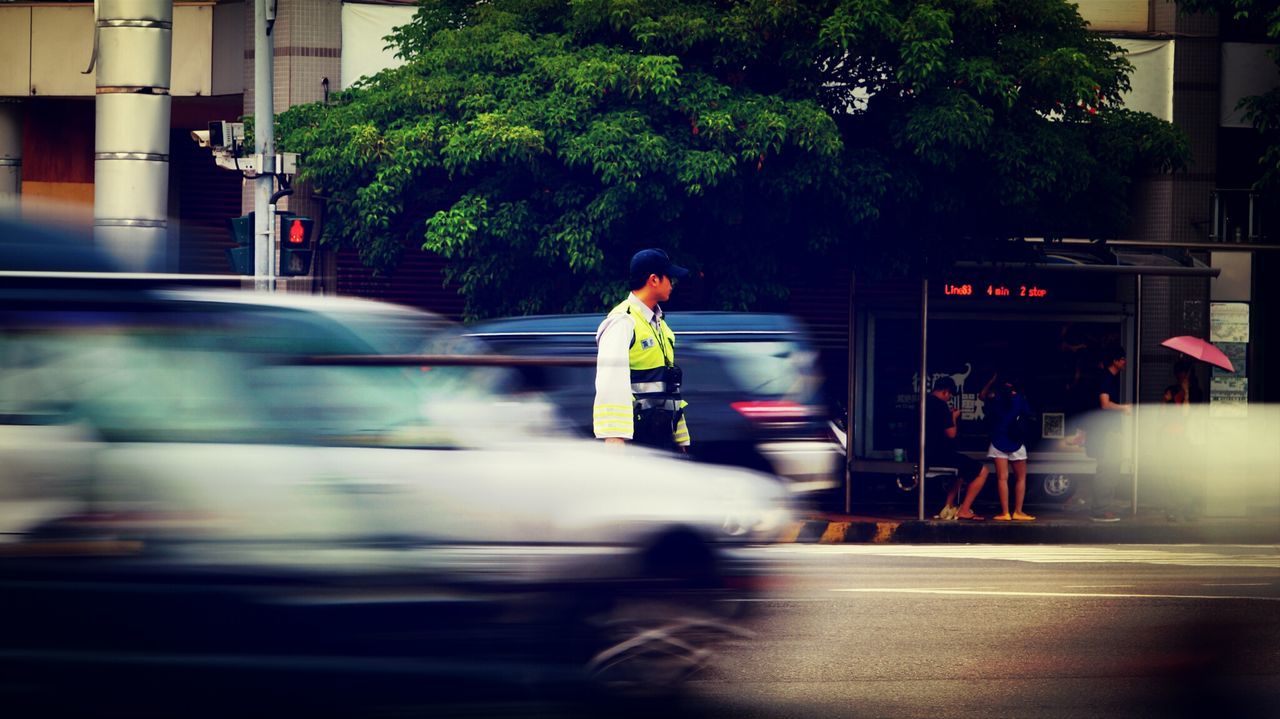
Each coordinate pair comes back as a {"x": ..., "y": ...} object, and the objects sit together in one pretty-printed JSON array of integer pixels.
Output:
[
  {"x": 200, "y": 137},
  {"x": 219, "y": 134},
  {"x": 225, "y": 135}
]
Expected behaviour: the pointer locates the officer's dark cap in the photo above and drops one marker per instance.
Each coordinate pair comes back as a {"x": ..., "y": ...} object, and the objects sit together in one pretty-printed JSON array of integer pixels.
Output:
[{"x": 655, "y": 262}]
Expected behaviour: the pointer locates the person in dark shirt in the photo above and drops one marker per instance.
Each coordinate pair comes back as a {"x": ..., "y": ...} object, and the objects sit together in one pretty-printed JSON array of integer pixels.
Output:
[
  {"x": 1103, "y": 436},
  {"x": 1081, "y": 397},
  {"x": 940, "y": 451}
]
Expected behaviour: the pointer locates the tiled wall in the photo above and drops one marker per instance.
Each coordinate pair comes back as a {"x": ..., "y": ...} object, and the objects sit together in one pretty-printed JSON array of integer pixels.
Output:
[
  {"x": 1176, "y": 208},
  {"x": 308, "y": 46},
  {"x": 1171, "y": 306},
  {"x": 1197, "y": 68}
]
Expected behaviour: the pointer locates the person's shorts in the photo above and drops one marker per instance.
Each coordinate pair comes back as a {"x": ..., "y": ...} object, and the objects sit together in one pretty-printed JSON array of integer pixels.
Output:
[
  {"x": 967, "y": 467},
  {"x": 1018, "y": 455}
]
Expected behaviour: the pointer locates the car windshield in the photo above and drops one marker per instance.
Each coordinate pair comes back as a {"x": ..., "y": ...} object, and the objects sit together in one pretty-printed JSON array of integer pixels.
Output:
[
  {"x": 396, "y": 333},
  {"x": 216, "y": 377},
  {"x": 768, "y": 369}
]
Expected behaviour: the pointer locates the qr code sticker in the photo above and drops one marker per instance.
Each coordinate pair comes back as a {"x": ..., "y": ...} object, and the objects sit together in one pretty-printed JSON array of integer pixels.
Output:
[{"x": 1052, "y": 425}]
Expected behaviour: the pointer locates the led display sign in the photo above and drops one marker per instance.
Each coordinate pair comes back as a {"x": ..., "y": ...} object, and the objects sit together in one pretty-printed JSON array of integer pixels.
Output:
[{"x": 996, "y": 290}]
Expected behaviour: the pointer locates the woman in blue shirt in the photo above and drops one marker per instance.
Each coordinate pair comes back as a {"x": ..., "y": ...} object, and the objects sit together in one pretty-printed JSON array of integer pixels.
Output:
[{"x": 1008, "y": 414}]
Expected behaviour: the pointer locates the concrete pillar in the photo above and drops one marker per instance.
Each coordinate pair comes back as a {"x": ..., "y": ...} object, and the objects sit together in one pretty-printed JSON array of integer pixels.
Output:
[
  {"x": 10, "y": 149},
  {"x": 131, "y": 158}
]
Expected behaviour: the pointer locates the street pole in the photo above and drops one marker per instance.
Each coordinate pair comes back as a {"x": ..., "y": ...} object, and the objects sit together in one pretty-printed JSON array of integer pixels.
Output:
[
  {"x": 924, "y": 389},
  {"x": 1136, "y": 426},
  {"x": 852, "y": 398},
  {"x": 264, "y": 147}
]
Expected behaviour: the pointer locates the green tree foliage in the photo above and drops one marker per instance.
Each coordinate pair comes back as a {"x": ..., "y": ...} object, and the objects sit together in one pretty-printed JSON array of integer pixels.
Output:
[
  {"x": 538, "y": 143},
  {"x": 1263, "y": 111}
]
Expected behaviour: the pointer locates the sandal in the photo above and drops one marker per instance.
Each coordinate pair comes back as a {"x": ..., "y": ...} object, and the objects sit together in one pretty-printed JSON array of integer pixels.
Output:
[
  {"x": 1023, "y": 517},
  {"x": 969, "y": 515},
  {"x": 1003, "y": 517}
]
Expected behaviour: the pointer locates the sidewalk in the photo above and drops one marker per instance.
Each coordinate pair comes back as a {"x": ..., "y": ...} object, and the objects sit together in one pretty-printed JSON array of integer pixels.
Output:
[{"x": 1052, "y": 526}]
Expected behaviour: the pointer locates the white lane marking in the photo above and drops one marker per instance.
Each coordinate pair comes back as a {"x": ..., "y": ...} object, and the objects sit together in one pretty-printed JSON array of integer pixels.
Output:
[
  {"x": 773, "y": 599},
  {"x": 1100, "y": 586},
  {"x": 1236, "y": 584},
  {"x": 1265, "y": 557},
  {"x": 893, "y": 590}
]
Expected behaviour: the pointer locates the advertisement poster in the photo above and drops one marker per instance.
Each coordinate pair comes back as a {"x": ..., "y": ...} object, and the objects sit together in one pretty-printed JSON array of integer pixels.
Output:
[
  {"x": 1229, "y": 397},
  {"x": 1053, "y": 425},
  {"x": 1228, "y": 322},
  {"x": 1238, "y": 353}
]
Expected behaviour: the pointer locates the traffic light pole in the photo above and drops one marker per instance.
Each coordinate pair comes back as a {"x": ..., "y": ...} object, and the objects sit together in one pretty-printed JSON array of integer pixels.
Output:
[{"x": 265, "y": 143}]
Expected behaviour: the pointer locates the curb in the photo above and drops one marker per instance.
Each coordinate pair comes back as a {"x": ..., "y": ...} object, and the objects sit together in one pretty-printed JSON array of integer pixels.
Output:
[
  {"x": 1137, "y": 531},
  {"x": 821, "y": 531},
  {"x": 824, "y": 531}
]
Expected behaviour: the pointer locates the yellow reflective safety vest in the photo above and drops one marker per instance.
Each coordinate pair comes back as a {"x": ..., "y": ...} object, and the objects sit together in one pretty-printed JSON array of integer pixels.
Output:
[{"x": 651, "y": 356}]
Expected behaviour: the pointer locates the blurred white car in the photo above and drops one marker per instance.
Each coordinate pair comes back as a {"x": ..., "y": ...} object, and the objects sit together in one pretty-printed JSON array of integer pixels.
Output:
[{"x": 181, "y": 462}]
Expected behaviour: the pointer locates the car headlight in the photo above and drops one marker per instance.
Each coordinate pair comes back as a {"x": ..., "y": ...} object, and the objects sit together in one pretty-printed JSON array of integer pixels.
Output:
[{"x": 766, "y": 523}]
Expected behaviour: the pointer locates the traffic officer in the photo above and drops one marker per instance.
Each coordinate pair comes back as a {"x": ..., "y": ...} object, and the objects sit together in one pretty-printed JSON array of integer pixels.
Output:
[{"x": 637, "y": 379}]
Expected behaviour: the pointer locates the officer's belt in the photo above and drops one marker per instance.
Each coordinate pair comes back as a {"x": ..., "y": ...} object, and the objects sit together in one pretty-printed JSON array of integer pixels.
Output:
[
  {"x": 670, "y": 405},
  {"x": 651, "y": 388}
]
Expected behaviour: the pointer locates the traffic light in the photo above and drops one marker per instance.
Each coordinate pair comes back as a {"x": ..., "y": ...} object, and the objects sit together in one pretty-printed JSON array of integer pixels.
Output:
[
  {"x": 296, "y": 245},
  {"x": 241, "y": 256}
]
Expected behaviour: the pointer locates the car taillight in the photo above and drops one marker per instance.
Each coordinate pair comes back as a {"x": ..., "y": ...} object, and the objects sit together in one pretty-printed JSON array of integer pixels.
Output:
[
  {"x": 784, "y": 417},
  {"x": 774, "y": 410}
]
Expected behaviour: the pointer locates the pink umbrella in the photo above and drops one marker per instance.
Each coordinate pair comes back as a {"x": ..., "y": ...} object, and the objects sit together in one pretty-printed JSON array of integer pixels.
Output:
[{"x": 1201, "y": 350}]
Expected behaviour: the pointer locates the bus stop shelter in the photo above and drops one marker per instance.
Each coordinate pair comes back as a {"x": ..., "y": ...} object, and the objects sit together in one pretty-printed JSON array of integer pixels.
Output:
[{"x": 1064, "y": 267}]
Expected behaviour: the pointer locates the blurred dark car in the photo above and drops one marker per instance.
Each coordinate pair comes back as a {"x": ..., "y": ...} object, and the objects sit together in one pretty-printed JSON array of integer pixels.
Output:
[
  {"x": 48, "y": 246},
  {"x": 202, "y": 496},
  {"x": 751, "y": 380}
]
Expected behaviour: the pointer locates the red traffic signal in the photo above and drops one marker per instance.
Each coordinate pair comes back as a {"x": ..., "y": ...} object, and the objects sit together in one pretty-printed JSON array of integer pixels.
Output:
[
  {"x": 299, "y": 231},
  {"x": 296, "y": 248}
]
